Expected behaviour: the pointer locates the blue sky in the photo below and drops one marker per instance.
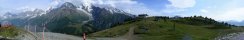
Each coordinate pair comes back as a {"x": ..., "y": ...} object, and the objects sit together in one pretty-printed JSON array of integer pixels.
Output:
[
  {"x": 221, "y": 10},
  {"x": 12, "y": 4},
  {"x": 154, "y": 4}
]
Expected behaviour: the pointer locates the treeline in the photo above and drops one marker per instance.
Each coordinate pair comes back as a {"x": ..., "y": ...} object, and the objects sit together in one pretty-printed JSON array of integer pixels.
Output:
[
  {"x": 196, "y": 20},
  {"x": 199, "y": 20},
  {"x": 192, "y": 20}
]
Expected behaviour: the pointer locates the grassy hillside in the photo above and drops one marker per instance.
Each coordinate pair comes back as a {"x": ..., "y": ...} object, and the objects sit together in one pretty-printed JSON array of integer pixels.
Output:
[
  {"x": 151, "y": 29},
  {"x": 8, "y": 31}
]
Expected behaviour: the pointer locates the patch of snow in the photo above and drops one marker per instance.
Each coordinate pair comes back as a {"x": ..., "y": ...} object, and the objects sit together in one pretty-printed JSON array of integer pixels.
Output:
[{"x": 89, "y": 14}]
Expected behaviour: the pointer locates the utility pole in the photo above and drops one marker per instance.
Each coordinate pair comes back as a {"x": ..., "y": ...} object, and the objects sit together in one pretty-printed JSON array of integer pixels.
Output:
[
  {"x": 25, "y": 27},
  {"x": 28, "y": 29},
  {"x": 35, "y": 28},
  {"x": 174, "y": 26},
  {"x": 43, "y": 32},
  {"x": 174, "y": 21}
]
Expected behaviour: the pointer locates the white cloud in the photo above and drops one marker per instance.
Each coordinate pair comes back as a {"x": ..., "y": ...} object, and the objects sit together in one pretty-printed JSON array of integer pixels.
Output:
[
  {"x": 182, "y": 3},
  {"x": 20, "y": 9},
  {"x": 232, "y": 14},
  {"x": 178, "y": 6},
  {"x": 26, "y": 8},
  {"x": 204, "y": 11}
]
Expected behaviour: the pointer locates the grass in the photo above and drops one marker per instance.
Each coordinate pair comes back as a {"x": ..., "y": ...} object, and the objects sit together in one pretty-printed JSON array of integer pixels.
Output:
[
  {"x": 147, "y": 29},
  {"x": 8, "y": 32},
  {"x": 164, "y": 30},
  {"x": 113, "y": 32}
]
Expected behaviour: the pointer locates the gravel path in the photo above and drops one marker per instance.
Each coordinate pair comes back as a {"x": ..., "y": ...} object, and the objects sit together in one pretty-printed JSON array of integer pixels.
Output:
[
  {"x": 58, "y": 36},
  {"x": 128, "y": 36},
  {"x": 233, "y": 36},
  {"x": 48, "y": 36}
]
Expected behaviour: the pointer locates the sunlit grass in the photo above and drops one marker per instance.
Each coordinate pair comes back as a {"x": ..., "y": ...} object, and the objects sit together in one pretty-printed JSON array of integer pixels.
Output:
[
  {"x": 147, "y": 29},
  {"x": 8, "y": 31}
]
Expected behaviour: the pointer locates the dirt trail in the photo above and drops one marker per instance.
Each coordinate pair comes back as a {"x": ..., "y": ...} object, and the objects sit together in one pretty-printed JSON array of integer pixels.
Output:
[{"x": 130, "y": 34}]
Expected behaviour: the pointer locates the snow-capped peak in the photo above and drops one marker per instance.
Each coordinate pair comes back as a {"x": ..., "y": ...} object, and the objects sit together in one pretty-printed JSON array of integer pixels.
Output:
[
  {"x": 23, "y": 14},
  {"x": 81, "y": 4}
]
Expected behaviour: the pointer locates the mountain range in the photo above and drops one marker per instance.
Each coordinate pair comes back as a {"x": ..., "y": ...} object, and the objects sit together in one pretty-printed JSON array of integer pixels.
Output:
[
  {"x": 241, "y": 23},
  {"x": 69, "y": 18}
]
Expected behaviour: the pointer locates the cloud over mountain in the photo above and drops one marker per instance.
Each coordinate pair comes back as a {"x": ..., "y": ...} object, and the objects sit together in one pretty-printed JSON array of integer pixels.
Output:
[{"x": 130, "y": 6}]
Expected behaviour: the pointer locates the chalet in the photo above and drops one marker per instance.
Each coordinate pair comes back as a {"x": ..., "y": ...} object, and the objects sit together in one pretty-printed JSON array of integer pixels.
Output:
[
  {"x": 176, "y": 17},
  {"x": 5, "y": 24},
  {"x": 142, "y": 16}
]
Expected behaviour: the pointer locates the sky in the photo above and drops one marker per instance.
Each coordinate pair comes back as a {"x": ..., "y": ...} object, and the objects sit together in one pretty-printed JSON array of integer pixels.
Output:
[{"x": 220, "y": 10}]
